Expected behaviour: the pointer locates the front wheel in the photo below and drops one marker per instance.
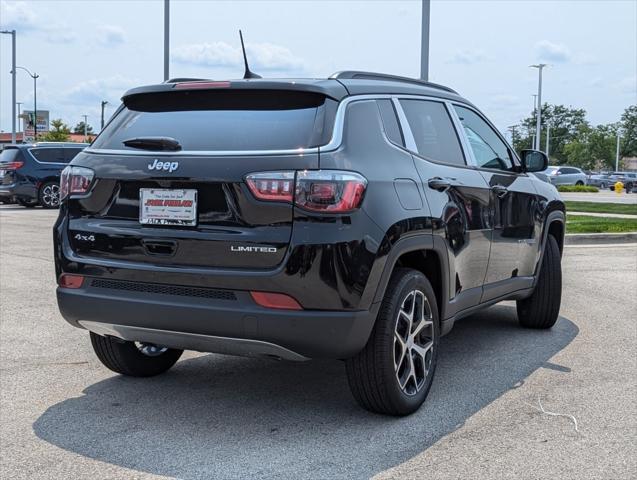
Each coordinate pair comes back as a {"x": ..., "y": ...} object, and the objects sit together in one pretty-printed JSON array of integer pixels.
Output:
[
  {"x": 27, "y": 203},
  {"x": 579, "y": 182},
  {"x": 134, "y": 359},
  {"x": 542, "y": 308},
  {"x": 392, "y": 375}
]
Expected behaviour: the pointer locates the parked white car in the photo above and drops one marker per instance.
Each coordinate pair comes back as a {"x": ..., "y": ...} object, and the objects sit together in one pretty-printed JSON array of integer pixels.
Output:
[{"x": 560, "y": 175}]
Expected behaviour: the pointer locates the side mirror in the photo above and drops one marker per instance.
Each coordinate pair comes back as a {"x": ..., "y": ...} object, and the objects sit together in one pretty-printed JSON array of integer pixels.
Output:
[{"x": 534, "y": 161}]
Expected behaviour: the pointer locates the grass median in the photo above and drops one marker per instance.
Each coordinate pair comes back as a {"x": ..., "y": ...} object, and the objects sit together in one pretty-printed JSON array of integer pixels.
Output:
[
  {"x": 585, "y": 224},
  {"x": 594, "y": 207}
]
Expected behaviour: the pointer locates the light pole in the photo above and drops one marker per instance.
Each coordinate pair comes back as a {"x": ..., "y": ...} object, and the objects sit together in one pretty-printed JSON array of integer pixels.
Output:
[
  {"x": 85, "y": 125},
  {"x": 617, "y": 151},
  {"x": 35, "y": 77},
  {"x": 534, "y": 102},
  {"x": 19, "y": 104},
  {"x": 548, "y": 136},
  {"x": 538, "y": 125},
  {"x": 424, "y": 40},
  {"x": 13, "y": 83},
  {"x": 166, "y": 39},
  {"x": 104, "y": 103}
]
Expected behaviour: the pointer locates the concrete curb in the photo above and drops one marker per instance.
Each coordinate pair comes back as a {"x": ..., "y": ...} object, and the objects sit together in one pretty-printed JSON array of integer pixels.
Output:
[{"x": 599, "y": 238}]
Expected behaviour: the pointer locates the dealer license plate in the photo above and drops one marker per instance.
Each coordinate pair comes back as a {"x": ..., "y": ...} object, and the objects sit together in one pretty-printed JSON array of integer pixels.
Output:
[{"x": 161, "y": 206}]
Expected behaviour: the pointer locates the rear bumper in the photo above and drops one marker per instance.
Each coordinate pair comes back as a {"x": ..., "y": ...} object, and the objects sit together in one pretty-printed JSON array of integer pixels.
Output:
[
  {"x": 232, "y": 326},
  {"x": 18, "y": 190}
]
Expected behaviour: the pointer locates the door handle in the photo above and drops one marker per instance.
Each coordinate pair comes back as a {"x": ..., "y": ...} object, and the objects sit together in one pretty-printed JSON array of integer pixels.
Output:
[
  {"x": 439, "y": 184},
  {"x": 499, "y": 190}
]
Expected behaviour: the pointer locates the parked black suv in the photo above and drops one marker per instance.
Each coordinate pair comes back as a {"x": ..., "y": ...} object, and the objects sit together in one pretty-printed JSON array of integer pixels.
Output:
[
  {"x": 352, "y": 218},
  {"x": 30, "y": 173}
]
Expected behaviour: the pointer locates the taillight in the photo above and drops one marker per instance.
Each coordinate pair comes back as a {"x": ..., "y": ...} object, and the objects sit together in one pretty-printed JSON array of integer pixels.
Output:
[
  {"x": 331, "y": 191},
  {"x": 11, "y": 165},
  {"x": 272, "y": 186},
  {"x": 75, "y": 181}
]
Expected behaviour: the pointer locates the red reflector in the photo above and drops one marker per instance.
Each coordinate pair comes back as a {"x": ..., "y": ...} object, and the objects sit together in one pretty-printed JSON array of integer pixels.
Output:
[
  {"x": 70, "y": 281},
  {"x": 275, "y": 300},
  {"x": 195, "y": 85}
]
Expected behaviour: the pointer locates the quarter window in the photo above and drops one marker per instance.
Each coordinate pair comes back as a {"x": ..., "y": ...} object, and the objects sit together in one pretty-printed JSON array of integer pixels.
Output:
[
  {"x": 433, "y": 131},
  {"x": 49, "y": 155},
  {"x": 488, "y": 149}
]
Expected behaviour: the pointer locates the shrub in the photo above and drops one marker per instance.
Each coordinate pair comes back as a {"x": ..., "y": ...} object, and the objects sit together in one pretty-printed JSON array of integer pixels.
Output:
[{"x": 577, "y": 188}]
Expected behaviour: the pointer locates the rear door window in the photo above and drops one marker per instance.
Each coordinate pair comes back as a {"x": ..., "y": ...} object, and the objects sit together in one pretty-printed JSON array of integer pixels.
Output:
[
  {"x": 48, "y": 155},
  {"x": 433, "y": 132},
  {"x": 235, "y": 120},
  {"x": 70, "y": 153}
]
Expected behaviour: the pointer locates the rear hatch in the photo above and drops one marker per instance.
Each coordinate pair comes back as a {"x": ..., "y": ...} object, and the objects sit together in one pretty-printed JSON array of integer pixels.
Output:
[
  {"x": 11, "y": 159},
  {"x": 186, "y": 154}
]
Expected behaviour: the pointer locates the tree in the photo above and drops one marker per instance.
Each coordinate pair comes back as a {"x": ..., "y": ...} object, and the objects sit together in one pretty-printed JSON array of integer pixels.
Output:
[
  {"x": 59, "y": 132},
  {"x": 565, "y": 122},
  {"x": 592, "y": 148},
  {"x": 79, "y": 129},
  {"x": 629, "y": 132}
]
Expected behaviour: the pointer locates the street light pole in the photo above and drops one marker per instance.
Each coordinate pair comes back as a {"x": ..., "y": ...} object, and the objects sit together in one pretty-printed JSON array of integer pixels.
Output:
[
  {"x": 20, "y": 129},
  {"x": 85, "y": 125},
  {"x": 617, "y": 151},
  {"x": 424, "y": 40},
  {"x": 13, "y": 82},
  {"x": 104, "y": 103},
  {"x": 548, "y": 136},
  {"x": 166, "y": 39},
  {"x": 538, "y": 125}
]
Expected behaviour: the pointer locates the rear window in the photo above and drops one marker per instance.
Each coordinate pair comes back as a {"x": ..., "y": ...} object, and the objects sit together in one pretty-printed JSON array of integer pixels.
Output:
[
  {"x": 220, "y": 120},
  {"x": 10, "y": 155},
  {"x": 49, "y": 155}
]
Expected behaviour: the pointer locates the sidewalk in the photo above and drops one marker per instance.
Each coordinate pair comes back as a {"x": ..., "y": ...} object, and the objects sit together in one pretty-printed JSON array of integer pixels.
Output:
[{"x": 606, "y": 215}]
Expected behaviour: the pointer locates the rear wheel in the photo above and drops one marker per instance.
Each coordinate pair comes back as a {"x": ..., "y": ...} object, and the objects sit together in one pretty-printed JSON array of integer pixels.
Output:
[
  {"x": 49, "y": 195},
  {"x": 393, "y": 373},
  {"x": 542, "y": 308},
  {"x": 133, "y": 358},
  {"x": 579, "y": 182}
]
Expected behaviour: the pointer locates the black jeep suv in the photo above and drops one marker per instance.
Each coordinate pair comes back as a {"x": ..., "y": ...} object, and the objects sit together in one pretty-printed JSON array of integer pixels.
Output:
[
  {"x": 352, "y": 218},
  {"x": 30, "y": 173}
]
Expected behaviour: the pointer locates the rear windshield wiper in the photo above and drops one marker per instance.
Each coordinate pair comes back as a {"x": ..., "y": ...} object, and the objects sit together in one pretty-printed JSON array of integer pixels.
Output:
[{"x": 154, "y": 143}]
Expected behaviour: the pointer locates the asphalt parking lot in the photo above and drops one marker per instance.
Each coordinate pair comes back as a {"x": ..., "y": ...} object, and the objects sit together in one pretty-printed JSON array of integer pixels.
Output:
[{"x": 62, "y": 415}]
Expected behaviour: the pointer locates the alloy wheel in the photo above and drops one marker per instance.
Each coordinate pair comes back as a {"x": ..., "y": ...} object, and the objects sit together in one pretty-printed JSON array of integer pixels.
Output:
[
  {"x": 51, "y": 195},
  {"x": 413, "y": 342}
]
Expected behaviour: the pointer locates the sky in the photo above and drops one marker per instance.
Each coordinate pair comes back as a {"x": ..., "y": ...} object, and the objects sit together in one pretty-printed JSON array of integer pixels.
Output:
[{"x": 86, "y": 51}]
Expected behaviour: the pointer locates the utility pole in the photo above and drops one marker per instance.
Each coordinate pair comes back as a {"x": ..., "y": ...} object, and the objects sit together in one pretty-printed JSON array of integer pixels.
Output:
[
  {"x": 104, "y": 103},
  {"x": 424, "y": 40},
  {"x": 538, "y": 125},
  {"x": 534, "y": 102},
  {"x": 166, "y": 39},
  {"x": 13, "y": 83},
  {"x": 617, "y": 151},
  {"x": 85, "y": 126},
  {"x": 548, "y": 136},
  {"x": 514, "y": 133},
  {"x": 35, "y": 77}
]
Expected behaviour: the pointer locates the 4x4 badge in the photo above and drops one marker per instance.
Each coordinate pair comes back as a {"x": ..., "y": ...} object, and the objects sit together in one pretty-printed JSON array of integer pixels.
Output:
[{"x": 166, "y": 166}]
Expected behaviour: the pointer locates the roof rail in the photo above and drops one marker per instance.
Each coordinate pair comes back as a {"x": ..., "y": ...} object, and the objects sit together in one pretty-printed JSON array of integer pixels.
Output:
[{"x": 358, "y": 75}]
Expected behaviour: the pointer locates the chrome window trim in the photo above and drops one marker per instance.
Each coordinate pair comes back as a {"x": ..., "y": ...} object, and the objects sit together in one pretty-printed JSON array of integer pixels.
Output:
[
  {"x": 335, "y": 142},
  {"x": 410, "y": 141},
  {"x": 462, "y": 135}
]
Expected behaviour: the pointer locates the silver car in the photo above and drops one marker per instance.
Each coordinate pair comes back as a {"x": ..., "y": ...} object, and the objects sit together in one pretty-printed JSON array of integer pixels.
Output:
[{"x": 559, "y": 175}]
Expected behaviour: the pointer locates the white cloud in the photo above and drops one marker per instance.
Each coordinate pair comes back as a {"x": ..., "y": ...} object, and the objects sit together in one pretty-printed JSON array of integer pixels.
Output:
[
  {"x": 261, "y": 56},
  {"x": 552, "y": 52},
  {"x": 94, "y": 91},
  {"x": 468, "y": 57},
  {"x": 110, "y": 35},
  {"x": 18, "y": 15}
]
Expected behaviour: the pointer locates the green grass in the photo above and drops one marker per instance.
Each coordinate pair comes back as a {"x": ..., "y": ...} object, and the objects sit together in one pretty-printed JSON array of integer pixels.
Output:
[
  {"x": 577, "y": 188},
  {"x": 584, "y": 224},
  {"x": 595, "y": 207}
]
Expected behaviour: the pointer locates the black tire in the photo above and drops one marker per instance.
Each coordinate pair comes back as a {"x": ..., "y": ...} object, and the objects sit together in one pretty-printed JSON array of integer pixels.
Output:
[
  {"x": 579, "y": 182},
  {"x": 126, "y": 358},
  {"x": 27, "y": 203},
  {"x": 603, "y": 186},
  {"x": 542, "y": 308},
  {"x": 372, "y": 375},
  {"x": 49, "y": 195}
]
